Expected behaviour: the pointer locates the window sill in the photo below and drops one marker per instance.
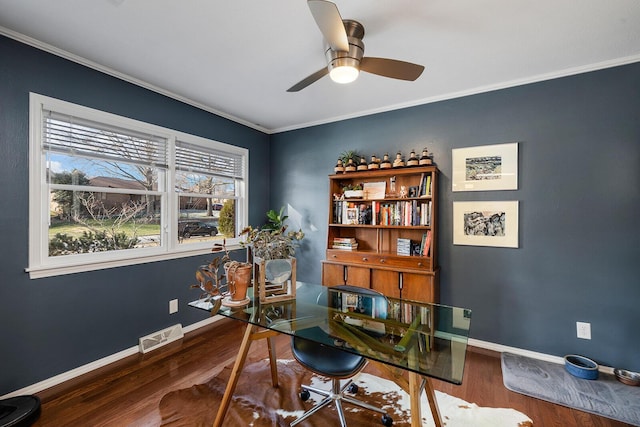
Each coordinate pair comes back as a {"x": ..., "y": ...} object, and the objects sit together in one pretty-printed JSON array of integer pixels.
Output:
[{"x": 58, "y": 270}]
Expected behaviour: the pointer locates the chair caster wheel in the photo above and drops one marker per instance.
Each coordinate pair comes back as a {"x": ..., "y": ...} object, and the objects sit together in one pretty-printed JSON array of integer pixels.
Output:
[
  {"x": 305, "y": 395},
  {"x": 353, "y": 388},
  {"x": 387, "y": 421}
]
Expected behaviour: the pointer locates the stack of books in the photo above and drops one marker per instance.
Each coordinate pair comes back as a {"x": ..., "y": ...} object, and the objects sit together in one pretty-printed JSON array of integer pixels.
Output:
[{"x": 345, "y": 243}]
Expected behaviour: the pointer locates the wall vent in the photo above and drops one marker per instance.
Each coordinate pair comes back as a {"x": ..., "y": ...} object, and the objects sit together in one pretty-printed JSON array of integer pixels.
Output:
[{"x": 160, "y": 338}]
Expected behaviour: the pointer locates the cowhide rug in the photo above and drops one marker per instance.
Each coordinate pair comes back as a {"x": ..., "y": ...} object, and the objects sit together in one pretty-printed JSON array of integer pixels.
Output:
[{"x": 256, "y": 403}]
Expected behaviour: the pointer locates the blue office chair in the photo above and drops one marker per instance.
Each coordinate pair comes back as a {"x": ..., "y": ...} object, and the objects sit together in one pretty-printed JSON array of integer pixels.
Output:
[{"x": 334, "y": 363}]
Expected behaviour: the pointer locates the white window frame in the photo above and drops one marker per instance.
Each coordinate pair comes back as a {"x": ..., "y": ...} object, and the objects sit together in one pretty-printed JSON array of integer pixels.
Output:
[{"x": 42, "y": 265}]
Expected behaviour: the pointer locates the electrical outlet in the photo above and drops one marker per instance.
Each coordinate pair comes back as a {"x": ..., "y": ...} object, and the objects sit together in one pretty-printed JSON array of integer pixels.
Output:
[
  {"x": 173, "y": 306},
  {"x": 584, "y": 330}
]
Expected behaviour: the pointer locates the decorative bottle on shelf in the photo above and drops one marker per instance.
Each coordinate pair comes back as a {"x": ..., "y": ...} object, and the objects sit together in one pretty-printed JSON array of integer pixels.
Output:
[
  {"x": 374, "y": 163},
  {"x": 350, "y": 167},
  {"x": 425, "y": 159},
  {"x": 398, "y": 162},
  {"x": 385, "y": 163},
  {"x": 413, "y": 160},
  {"x": 362, "y": 166},
  {"x": 339, "y": 167}
]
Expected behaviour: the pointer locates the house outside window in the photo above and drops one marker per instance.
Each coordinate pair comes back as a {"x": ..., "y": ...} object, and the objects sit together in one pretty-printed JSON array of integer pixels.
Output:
[{"x": 107, "y": 191}]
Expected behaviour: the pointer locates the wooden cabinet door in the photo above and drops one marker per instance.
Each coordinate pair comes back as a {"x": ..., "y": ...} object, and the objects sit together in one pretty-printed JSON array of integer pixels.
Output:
[
  {"x": 358, "y": 276},
  {"x": 386, "y": 282},
  {"x": 332, "y": 274},
  {"x": 418, "y": 287},
  {"x": 340, "y": 274}
]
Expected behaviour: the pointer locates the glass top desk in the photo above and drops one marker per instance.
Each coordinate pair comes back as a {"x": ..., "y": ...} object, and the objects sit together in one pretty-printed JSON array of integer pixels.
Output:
[{"x": 427, "y": 340}]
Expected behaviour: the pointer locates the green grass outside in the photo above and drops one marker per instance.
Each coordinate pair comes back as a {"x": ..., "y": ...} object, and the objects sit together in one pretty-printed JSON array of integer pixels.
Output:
[{"x": 75, "y": 229}]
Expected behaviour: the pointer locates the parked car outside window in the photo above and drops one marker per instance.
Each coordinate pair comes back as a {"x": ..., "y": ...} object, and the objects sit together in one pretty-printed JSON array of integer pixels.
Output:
[{"x": 187, "y": 229}]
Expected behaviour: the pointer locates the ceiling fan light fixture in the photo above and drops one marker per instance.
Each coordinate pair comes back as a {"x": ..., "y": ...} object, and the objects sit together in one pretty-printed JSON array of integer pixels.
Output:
[
  {"x": 344, "y": 74},
  {"x": 343, "y": 69},
  {"x": 345, "y": 61}
]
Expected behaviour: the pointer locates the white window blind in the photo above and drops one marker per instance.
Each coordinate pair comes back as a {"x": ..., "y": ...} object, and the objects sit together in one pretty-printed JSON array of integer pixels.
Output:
[
  {"x": 80, "y": 137},
  {"x": 208, "y": 161}
]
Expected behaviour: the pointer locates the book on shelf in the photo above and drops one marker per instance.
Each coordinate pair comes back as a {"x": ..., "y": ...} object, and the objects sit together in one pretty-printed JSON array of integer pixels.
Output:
[
  {"x": 427, "y": 190},
  {"x": 344, "y": 240},
  {"x": 424, "y": 189},
  {"x": 403, "y": 246},
  {"x": 351, "y": 247},
  {"x": 375, "y": 211},
  {"x": 338, "y": 206},
  {"x": 425, "y": 213},
  {"x": 425, "y": 244}
]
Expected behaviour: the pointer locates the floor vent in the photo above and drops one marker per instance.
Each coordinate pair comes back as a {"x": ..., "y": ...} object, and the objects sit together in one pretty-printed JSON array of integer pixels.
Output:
[{"x": 160, "y": 338}]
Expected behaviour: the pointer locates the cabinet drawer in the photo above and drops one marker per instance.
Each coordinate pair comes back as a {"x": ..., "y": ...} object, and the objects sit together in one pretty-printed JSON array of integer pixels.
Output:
[
  {"x": 420, "y": 263},
  {"x": 347, "y": 256},
  {"x": 380, "y": 260}
]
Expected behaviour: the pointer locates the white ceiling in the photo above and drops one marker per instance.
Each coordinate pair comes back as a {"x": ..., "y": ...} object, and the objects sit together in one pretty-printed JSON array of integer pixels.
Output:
[{"x": 237, "y": 57}]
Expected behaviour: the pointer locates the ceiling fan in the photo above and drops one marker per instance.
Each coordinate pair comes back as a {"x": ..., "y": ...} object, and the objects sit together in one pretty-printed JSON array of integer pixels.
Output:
[{"x": 345, "y": 50}]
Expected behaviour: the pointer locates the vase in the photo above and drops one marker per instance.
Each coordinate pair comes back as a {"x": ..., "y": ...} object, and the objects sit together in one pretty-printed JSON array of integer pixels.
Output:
[
  {"x": 238, "y": 280},
  {"x": 277, "y": 271},
  {"x": 275, "y": 279}
]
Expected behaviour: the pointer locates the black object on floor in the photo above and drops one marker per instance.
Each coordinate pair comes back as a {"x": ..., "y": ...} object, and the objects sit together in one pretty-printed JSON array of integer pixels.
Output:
[{"x": 19, "y": 411}]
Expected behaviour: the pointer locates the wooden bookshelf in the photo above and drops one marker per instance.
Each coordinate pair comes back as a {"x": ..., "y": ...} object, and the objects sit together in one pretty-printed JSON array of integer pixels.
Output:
[{"x": 376, "y": 222}]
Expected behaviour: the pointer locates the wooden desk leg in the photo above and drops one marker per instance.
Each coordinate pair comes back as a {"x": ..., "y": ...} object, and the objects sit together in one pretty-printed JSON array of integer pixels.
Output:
[
  {"x": 273, "y": 361},
  {"x": 433, "y": 404},
  {"x": 414, "y": 394},
  {"x": 416, "y": 385},
  {"x": 235, "y": 374}
]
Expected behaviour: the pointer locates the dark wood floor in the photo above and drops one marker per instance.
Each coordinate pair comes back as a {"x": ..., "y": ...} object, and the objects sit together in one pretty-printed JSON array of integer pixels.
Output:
[{"x": 127, "y": 392}]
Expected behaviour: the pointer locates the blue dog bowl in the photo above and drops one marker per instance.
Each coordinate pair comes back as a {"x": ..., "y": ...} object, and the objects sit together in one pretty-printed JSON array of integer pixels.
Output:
[{"x": 581, "y": 367}]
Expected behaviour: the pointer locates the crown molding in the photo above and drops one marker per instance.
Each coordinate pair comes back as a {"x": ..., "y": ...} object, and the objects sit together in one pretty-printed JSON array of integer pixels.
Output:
[
  {"x": 474, "y": 91},
  {"x": 122, "y": 76},
  {"x": 443, "y": 97}
]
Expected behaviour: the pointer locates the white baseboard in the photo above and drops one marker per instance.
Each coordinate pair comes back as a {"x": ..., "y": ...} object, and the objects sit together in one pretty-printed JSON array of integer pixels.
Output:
[
  {"x": 81, "y": 370},
  {"x": 66, "y": 376},
  {"x": 532, "y": 354},
  {"x": 506, "y": 349}
]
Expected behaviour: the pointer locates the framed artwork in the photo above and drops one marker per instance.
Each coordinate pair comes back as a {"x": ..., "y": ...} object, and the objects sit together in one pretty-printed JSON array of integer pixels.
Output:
[
  {"x": 374, "y": 190},
  {"x": 351, "y": 216},
  {"x": 485, "y": 168},
  {"x": 486, "y": 224}
]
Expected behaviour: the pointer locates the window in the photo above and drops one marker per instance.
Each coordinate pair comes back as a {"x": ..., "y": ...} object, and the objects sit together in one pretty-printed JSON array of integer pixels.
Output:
[{"x": 107, "y": 191}]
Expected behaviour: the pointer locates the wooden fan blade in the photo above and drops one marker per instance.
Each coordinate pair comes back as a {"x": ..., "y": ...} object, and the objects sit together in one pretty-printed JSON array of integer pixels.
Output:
[
  {"x": 308, "y": 80},
  {"x": 391, "y": 68},
  {"x": 330, "y": 23}
]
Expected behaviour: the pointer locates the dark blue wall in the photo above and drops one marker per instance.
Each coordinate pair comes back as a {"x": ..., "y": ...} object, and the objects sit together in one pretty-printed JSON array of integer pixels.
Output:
[
  {"x": 579, "y": 206},
  {"x": 53, "y": 325}
]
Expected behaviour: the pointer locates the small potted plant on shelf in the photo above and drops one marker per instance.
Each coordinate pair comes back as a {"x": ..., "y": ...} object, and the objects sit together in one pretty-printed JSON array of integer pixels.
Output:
[
  {"x": 273, "y": 248},
  {"x": 228, "y": 288},
  {"x": 353, "y": 191}
]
